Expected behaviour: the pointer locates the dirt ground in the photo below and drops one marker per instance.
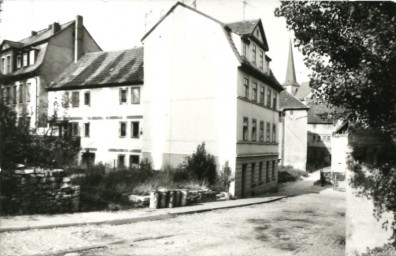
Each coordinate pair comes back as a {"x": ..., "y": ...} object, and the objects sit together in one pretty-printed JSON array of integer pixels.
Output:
[{"x": 308, "y": 224}]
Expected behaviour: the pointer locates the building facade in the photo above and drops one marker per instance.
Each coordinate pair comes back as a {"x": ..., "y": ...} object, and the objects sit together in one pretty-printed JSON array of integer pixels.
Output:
[
  {"x": 98, "y": 100},
  {"x": 28, "y": 66},
  {"x": 211, "y": 82}
]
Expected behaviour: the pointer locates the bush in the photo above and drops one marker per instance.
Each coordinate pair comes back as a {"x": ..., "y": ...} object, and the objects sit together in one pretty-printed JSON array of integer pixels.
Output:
[{"x": 288, "y": 173}]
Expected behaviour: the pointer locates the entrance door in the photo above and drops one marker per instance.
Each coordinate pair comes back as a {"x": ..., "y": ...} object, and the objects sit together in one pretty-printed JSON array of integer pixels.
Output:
[{"x": 244, "y": 167}]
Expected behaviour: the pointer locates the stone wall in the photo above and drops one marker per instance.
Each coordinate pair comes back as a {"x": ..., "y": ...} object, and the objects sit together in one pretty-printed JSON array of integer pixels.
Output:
[{"x": 33, "y": 191}]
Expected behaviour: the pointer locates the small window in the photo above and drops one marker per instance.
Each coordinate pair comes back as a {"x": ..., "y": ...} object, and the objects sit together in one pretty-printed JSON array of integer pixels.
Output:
[
  {"x": 1, "y": 95},
  {"x": 3, "y": 65},
  {"x": 267, "y": 171},
  {"x": 253, "y": 54},
  {"x": 274, "y": 102},
  {"x": 269, "y": 98},
  {"x": 32, "y": 57},
  {"x": 25, "y": 59},
  {"x": 273, "y": 170},
  {"x": 134, "y": 161},
  {"x": 245, "y": 128},
  {"x": 20, "y": 94},
  {"x": 14, "y": 95},
  {"x": 274, "y": 133},
  {"x": 244, "y": 49},
  {"x": 254, "y": 91},
  {"x": 262, "y": 94},
  {"x": 28, "y": 88},
  {"x": 253, "y": 173},
  {"x": 9, "y": 64},
  {"x": 135, "y": 95},
  {"x": 261, "y": 54},
  {"x": 8, "y": 96},
  {"x": 87, "y": 98},
  {"x": 135, "y": 129},
  {"x": 123, "y": 95},
  {"x": 291, "y": 112},
  {"x": 121, "y": 161},
  {"x": 123, "y": 129},
  {"x": 254, "y": 130},
  {"x": 66, "y": 100},
  {"x": 261, "y": 138},
  {"x": 246, "y": 87},
  {"x": 268, "y": 132},
  {"x": 75, "y": 99},
  {"x": 73, "y": 129},
  {"x": 86, "y": 129},
  {"x": 260, "y": 178},
  {"x": 19, "y": 61}
]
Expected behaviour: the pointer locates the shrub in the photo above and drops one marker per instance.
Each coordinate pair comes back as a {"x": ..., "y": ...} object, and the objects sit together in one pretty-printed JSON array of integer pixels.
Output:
[
  {"x": 224, "y": 179},
  {"x": 288, "y": 173}
]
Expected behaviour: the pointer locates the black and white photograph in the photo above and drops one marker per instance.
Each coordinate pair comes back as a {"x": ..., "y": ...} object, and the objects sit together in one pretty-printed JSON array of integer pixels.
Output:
[{"x": 197, "y": 127}]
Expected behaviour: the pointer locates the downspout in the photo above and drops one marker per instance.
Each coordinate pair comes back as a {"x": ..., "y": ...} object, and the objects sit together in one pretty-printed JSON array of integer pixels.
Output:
[
  {"x": 36, "y": 121},
  {"x": 283, "y": 137}
]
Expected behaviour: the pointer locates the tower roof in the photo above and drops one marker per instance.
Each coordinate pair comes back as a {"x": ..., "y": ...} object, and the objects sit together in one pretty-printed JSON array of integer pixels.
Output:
[{"x": 290, "y": 72}]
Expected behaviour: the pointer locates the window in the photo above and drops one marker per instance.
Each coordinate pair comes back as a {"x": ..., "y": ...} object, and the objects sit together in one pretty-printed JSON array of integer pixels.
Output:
[
  {"x": 87, "y": 98},
  {"x": 14, "y": 95},
  {"x": 28, "y": 87},
  {"x": 245, "y": 128},
  {"x": 66, "y": 99},
  {"x": 260, "y": 178},
  {"x": 246, "y": 87},
  {"x": 1, "y": 95},
  {"x": 253, "y": 173},
  {"x": 75, "y": 99},
  {"x": 21, "y": 87},
  {"x": 134, "y": 161},
  {"x": 273, "y": 170},
  {"x": 121, "y": 161},
  {"x": 32, "y": 57},
  {"x": 268, "y": 132},
  {"x": 254, "y": 54},
  {"x": 19, "y": 61},
  {"x": 274, "y": 101},
  {"x": 86, "y": 129},
  {"x": 123, "y": 129},
  {"x": 274, "y": 132},
  {"x": 135, "y": 96},
  {"x": 8, "y": 96},
  {"x": 269, "y": 98},
  {"x": 318, "y": 138},
  {"x": 3, "y": 65},
  {"x": 261, "y": 59},
  {"x": 73, "y": 129},
  {"x": 8, "y": 64},
  {"x": 244, "y": 49},
  {"x": 291, "y": 112},
  {"x": 262, "y": 94},
  {"x": 261, "y": 136},
  {"x": 25, "y": 59},
  {"x": 254, "y": 87},
  {"x": 267, "y": 170},
  {"x": 123, "y": 95},
  {"x": 135, "y": 129},
  {"x": 254, "y": 130}
]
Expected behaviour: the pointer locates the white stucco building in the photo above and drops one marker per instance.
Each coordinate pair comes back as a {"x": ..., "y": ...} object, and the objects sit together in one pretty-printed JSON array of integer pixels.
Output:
[{"x": 206, "y": 81}]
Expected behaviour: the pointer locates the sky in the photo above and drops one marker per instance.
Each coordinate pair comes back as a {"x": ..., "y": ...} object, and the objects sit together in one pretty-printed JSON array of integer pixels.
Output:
[{"x": 121, "y": 24}]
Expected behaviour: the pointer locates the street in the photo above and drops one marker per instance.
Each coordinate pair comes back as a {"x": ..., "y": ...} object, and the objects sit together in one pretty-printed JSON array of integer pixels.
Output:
[{"x": 312, "y": 223}]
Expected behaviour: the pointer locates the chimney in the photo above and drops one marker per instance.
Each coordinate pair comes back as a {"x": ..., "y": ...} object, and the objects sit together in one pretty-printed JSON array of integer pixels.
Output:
[
  {"x": 78, "y": 38},
  {"x": 55, "y": 27},
  {"x": 34, "y": 33}
]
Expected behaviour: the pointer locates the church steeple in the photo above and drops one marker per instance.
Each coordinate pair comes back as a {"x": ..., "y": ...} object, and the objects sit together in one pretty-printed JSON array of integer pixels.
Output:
[{"x": 290, "y": 83}]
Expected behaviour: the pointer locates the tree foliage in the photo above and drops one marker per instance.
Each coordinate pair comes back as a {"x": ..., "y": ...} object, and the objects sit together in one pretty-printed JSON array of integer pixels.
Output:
[
  {"x": 19, "y": 146},
  {"x": 351, "y": 49}
]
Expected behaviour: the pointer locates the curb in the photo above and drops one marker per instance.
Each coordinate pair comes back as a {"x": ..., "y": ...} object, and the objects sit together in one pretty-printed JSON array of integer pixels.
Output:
[{"x": 135, "y": 219}]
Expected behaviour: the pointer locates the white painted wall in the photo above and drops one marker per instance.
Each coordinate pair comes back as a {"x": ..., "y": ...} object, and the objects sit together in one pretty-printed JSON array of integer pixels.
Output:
[
  {"x": 322, "y": 130},
  {"x": 295, "y": 139},
  {"x": 104, "y": 115},
  {"x": 190, "y": 89},
  {"x": 339, "y": 152}
]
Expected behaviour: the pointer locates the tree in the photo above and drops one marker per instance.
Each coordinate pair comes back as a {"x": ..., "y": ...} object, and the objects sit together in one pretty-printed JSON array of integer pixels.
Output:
[
  {"x": 202, "y": 165},
  {"x": 351, "y": 49}
]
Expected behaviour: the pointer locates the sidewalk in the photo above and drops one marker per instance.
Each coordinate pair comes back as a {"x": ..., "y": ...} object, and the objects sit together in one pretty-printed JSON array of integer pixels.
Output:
[{"x": 42, "y": 221}]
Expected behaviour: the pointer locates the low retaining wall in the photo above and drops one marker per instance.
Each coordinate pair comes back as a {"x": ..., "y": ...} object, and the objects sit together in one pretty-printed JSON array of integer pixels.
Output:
[{"x": 38, "y": 191}]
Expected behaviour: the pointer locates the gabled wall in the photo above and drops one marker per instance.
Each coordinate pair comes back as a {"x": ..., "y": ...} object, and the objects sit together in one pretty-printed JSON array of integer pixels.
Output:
[{"x": 190, "y": 90}]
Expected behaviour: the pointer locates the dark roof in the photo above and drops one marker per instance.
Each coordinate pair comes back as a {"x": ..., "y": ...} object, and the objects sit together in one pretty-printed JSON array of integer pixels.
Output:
[
  {"x": 303, "y": 91},
  {"x": 288, "y": 101},
  {"x": 103, "y": 69},
  {"x": 243, "y": 27},
  {"x": 320, "y": 113},
  {"x": 43, "y": 34},
  {"x": 290, "y": 72},
  {"x": 12, "y": 44}
]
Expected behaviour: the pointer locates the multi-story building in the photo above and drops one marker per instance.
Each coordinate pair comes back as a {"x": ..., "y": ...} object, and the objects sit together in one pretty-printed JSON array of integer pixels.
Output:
[
  {"x": 206, "y": 81},
  {"x": 28, "y": 66},
  {"x": 98, "y": 99}
]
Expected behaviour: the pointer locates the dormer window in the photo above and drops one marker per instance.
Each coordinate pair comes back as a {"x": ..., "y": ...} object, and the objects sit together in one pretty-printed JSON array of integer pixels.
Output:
[
  {"x": 32, "y": 57},
  {"x": 19, "y": 61},
  {"x": 25, "y": 59}
]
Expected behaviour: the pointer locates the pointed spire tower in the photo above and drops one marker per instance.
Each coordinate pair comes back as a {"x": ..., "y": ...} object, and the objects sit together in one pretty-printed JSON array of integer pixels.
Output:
[{"x": 291, "y": 84}]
